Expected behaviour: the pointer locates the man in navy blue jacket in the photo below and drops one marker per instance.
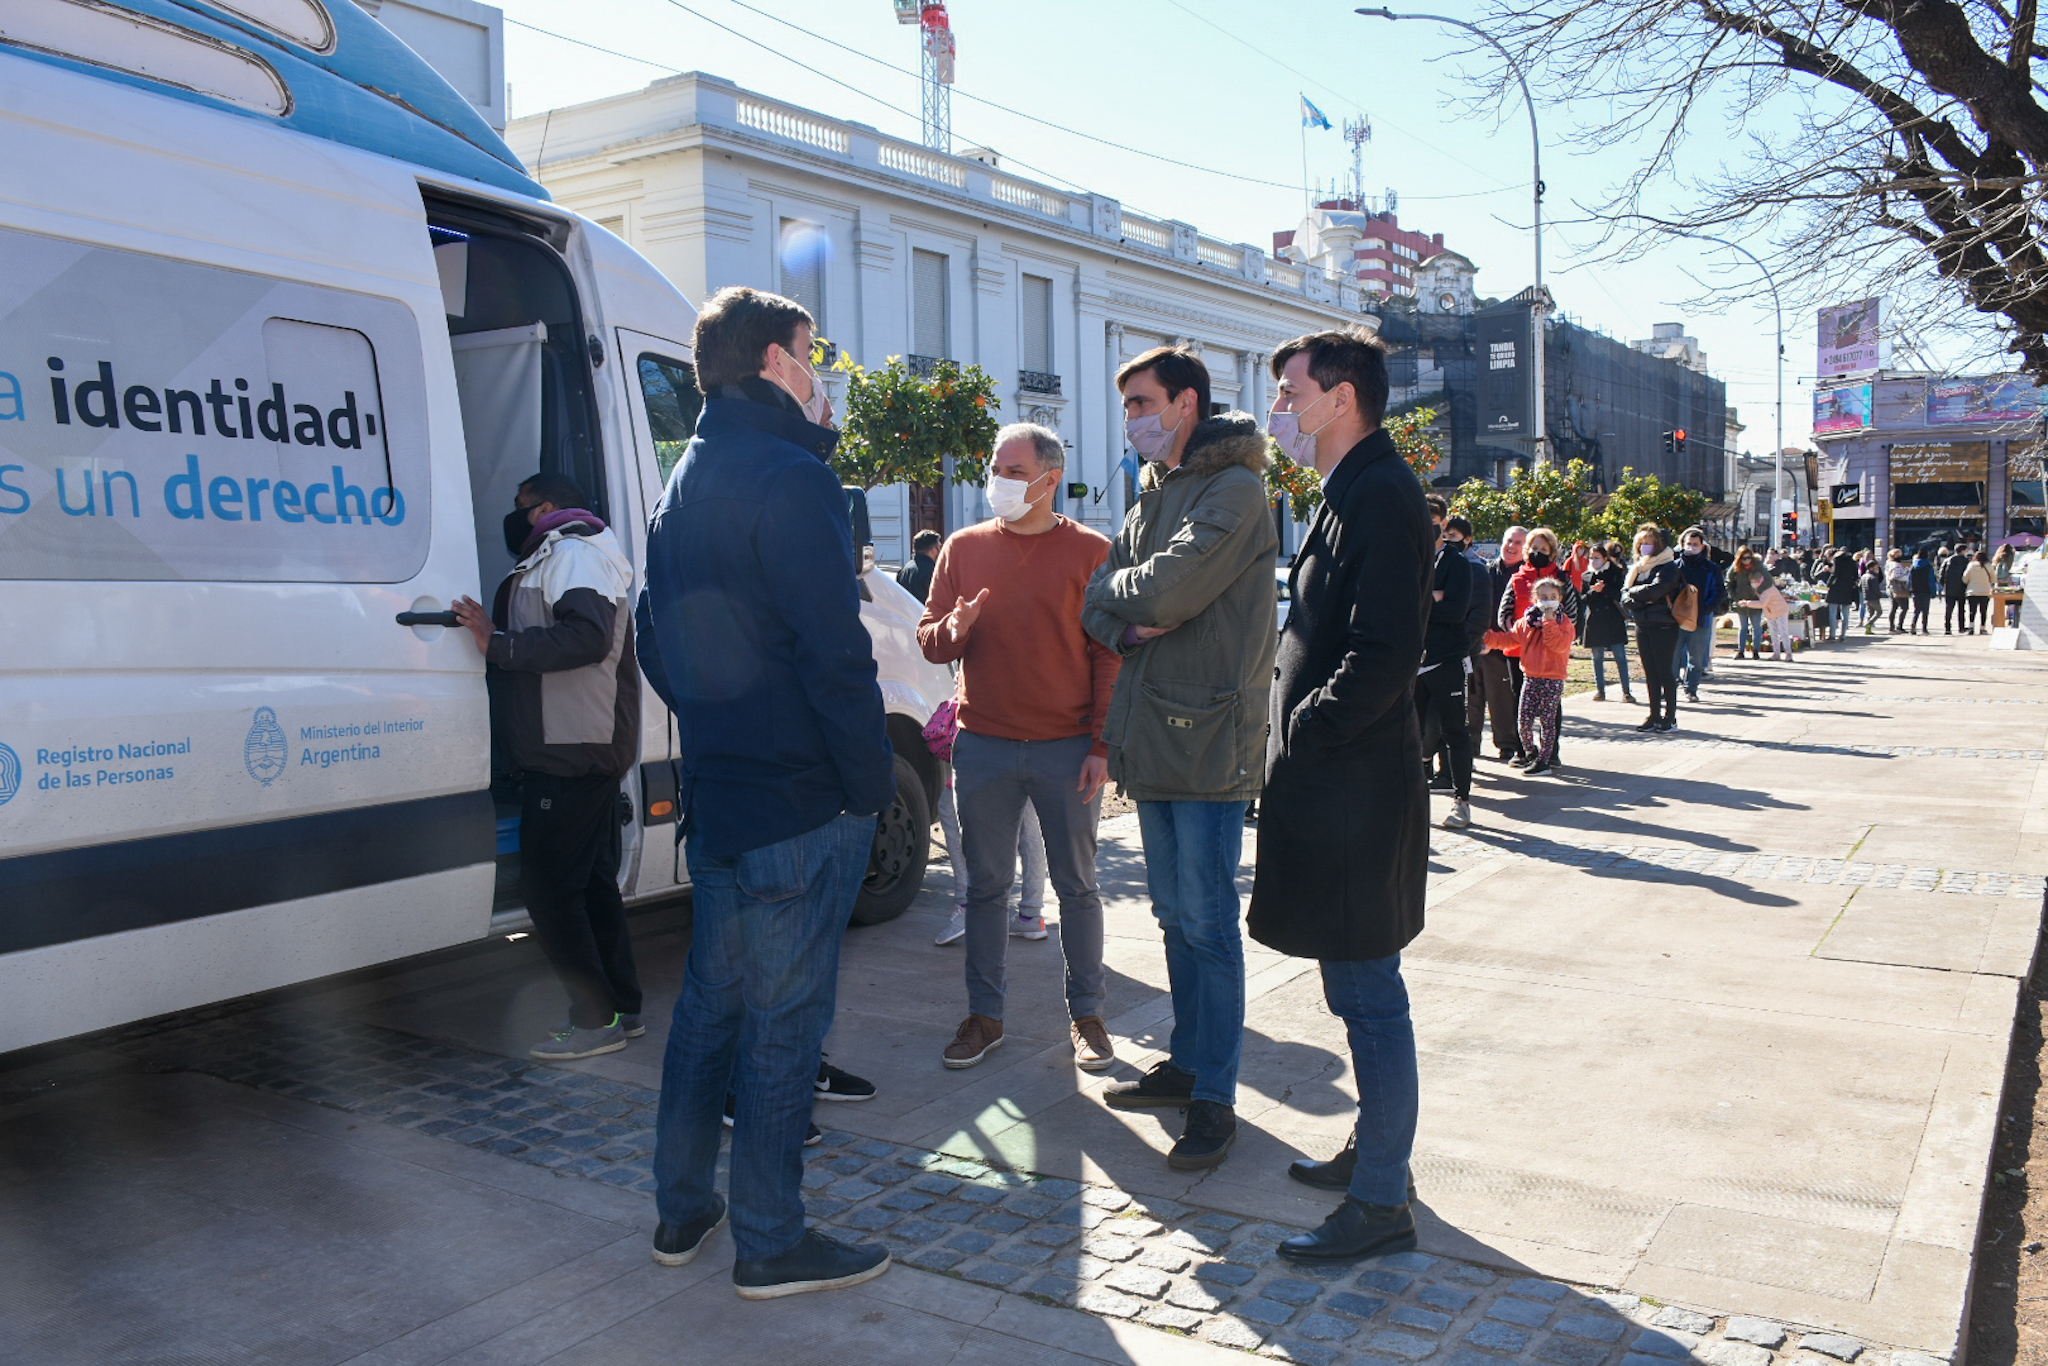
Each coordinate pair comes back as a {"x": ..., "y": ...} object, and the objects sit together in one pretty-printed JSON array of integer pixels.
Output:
[{"x": 749, "y": 628}]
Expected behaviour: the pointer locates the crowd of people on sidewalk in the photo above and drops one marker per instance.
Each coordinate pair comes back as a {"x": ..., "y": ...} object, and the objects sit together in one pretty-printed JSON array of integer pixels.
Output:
[
  {"x": 1153, "y": 660},
  {"x": 1867, "y": 582}
]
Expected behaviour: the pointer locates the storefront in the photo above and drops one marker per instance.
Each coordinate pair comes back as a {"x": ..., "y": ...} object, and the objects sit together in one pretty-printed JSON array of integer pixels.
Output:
[{"x": 1914, "y": 460}]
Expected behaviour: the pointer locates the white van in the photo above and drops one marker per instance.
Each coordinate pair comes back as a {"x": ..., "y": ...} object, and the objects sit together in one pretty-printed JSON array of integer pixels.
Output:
[{"x": 282, "y": 326}]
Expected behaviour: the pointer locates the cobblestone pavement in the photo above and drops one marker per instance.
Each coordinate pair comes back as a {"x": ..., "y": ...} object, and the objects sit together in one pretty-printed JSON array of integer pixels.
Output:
[{"x": 1176, "y": 1268}]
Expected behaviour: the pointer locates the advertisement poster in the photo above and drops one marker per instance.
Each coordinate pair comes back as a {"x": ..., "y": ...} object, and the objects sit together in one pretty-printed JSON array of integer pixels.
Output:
[
  {"x": 2002, "y": 398},
  {"x": 1841, "y": 410},
  {"x": 1503, "y": 341},
  {"x": 1851, "y": 338}
]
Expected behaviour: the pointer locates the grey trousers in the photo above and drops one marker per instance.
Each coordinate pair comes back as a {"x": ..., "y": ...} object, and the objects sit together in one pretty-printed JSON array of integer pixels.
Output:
[{"x": 992, "y": 779}]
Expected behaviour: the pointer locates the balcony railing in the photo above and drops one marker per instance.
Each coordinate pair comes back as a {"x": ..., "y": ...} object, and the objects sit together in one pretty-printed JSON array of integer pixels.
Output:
[
  {"x": 1038, "y": 382},
  {"x": 697, "y": 101},
  {"x": 924, "y": 367}
]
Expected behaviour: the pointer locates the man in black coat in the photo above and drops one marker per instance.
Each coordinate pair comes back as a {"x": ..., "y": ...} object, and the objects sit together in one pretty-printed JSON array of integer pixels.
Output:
[
  {"x": 1344, "y": 822},
  {"x": 916, "y": 576}
]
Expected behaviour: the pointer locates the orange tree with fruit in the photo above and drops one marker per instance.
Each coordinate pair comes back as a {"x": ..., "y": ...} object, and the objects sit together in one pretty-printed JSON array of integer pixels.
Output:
[{"x": 900, "y": 427}]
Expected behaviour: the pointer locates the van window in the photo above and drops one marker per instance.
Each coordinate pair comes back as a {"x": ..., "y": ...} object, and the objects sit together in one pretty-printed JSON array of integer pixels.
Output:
[
  {"x": 164, "y": 420},
  {"x": 673, "y": 403}
]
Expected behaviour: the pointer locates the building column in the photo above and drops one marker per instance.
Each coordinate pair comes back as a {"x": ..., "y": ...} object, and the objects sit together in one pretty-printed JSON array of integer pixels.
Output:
[{"x": 1113, "y": 418}]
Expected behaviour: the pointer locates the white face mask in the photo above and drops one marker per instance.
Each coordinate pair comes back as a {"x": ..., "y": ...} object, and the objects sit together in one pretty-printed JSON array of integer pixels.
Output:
[
  {"x": 1645, "y": 550},
  {"x": 1149, "y": 436},
  {"x": 1010, "y": 498},
  {"x": 814, "y": 406},
  {"x": 1596, "y": 564},
  {"x": 1285, "y": 428}
]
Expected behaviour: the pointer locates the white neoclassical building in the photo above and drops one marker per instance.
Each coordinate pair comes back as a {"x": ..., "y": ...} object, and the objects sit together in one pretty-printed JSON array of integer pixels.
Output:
[{"x": 898, "y": 250}]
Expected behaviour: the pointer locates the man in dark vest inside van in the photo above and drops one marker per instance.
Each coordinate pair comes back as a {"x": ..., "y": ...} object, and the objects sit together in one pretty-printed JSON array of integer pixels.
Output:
[{"x": 565, "y": 713}]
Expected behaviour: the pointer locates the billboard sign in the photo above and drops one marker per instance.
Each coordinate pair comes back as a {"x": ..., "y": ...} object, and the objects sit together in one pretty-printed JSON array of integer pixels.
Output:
[
  {"x": 1836, "y": 411},
  {"x": 1503, "y": 343},
  {"x": 2001, "y": 398},
  {"x": 1845, "y": 495},
  {"x": 1851, "y": 338}
]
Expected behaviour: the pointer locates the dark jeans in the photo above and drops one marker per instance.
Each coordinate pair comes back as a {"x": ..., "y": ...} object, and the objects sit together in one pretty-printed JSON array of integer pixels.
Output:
[
  {"x": 1498, "y": 689},
  {"x": 1920, "y": 604},
  {"x": 992, "y": 779},
  {"x": 569, "y": 874},
  {"x": 758, "y": 995},
  {"x": 1440, "y": 701},
  {"x": 1192, "y": 850},
  {"x": 1953, "y": 613},
  {"x": 1369, "y": 996},
  {"x": 1979, "y": 613},
  {"x": 1658, "y": 645},
  {"x": 1695, "y": 651},
  {"x": 1898, "y": 618}
]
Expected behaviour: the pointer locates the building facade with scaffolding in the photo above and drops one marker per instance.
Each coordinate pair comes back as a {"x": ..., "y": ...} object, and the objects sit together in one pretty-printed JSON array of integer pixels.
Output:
[{"x": 899, "y": 250}]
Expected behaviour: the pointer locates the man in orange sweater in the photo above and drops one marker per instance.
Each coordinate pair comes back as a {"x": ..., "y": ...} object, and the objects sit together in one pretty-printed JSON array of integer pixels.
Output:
[{"x": 1034, "y": 689}]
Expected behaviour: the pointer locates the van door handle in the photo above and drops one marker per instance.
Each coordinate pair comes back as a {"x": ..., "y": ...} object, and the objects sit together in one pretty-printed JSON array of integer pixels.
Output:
[{"x": 428, "y": 619}]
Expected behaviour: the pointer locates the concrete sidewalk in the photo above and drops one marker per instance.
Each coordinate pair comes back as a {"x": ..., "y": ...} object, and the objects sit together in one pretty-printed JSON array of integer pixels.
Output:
[{"x": 1713, "y": 1030}]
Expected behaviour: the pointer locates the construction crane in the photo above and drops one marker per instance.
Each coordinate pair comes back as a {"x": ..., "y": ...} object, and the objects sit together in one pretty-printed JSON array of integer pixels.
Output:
[{"x": 936, "y": 30}]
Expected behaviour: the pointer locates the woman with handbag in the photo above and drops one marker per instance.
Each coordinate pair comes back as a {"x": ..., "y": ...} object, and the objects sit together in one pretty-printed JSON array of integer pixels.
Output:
[{"x": 1654, "y": 582}]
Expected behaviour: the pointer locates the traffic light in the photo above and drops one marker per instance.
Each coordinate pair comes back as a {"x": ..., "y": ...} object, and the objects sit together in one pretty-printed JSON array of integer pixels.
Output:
[
  {"x": 1679, "y": 437},
  {"x": 1789, "y": 522},
  {"x": 1668, "y": 447}
]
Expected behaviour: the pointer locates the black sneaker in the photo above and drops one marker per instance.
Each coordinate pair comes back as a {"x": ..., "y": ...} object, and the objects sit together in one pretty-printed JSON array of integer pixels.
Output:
[
  {"x": 813, "y": 1135},
  {"x": 834, "y": 1084},
  {"x": 1440, "y": 783},
  {"x": 815, "y": 1263},
  {"x": 1353, "y": 1232},
  {"x": 1163, "y": 1087},
  {"x": 1211, "y": 1129},
  {"x": 679, "y": 1246},
  {"x": 1539, "y": 768}
]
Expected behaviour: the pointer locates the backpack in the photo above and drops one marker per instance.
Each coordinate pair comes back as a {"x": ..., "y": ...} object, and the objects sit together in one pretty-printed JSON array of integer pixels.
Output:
[{"x": 1685, "y": 608}]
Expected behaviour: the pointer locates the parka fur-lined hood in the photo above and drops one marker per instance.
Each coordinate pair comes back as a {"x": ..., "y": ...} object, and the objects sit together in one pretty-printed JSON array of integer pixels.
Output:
[{"x": 1219, "y": 442}]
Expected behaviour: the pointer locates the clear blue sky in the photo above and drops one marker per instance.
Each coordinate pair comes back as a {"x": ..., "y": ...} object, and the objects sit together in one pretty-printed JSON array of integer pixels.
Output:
[{"x": 1223, "y": 94}]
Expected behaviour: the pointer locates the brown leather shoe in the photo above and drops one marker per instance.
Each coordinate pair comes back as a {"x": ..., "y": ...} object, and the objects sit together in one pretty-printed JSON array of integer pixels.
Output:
[
  {"x": 1093, "y": 1052},
  {"x": 976, "y": 1036}
]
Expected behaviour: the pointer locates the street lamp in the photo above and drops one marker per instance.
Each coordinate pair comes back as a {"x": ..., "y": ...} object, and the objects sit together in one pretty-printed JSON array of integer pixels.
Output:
[{"x": 1536, "y": 176}]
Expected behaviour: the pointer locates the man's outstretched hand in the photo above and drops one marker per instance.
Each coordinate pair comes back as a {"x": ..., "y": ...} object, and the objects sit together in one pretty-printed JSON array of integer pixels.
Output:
[{"x": 963, "y": 616}]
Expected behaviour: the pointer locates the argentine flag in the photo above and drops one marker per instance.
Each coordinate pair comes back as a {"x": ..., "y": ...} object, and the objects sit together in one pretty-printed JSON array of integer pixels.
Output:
[{"x": 1312, "y": 117}]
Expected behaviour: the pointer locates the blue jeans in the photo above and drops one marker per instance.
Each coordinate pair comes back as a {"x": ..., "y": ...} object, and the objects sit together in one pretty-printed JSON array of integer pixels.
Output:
[
  {"x": 1695, "y": 652},
  {"x": 1192, "y": 851},
  {"x": 1619, "y": 652},
  {"x": 1749, "y": 631},
  {"x": 1369, "y": 996},
  {"x": 758, "y": 996}
]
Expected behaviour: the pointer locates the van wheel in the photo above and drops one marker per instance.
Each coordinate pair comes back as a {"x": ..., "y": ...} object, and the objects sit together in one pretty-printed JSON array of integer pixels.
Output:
[{"x": 903, "y": 843}]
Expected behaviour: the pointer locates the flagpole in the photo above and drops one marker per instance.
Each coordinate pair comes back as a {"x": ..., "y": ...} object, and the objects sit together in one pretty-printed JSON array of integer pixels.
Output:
[{"x": 1307, "y": 200}]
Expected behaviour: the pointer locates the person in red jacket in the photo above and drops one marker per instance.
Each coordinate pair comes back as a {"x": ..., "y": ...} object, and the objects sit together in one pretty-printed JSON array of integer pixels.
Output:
[
  {"x": 1539, "y": 561},
  {"x": 1544, "y": 635}
]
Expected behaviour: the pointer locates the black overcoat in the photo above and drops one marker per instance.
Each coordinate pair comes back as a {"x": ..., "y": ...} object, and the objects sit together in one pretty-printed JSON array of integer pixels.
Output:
[{"x": 1344, "y": 821}]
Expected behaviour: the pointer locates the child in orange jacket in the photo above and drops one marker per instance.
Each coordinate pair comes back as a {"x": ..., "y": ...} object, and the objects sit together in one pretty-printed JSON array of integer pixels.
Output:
[{"x": 1545, "y": 637}]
